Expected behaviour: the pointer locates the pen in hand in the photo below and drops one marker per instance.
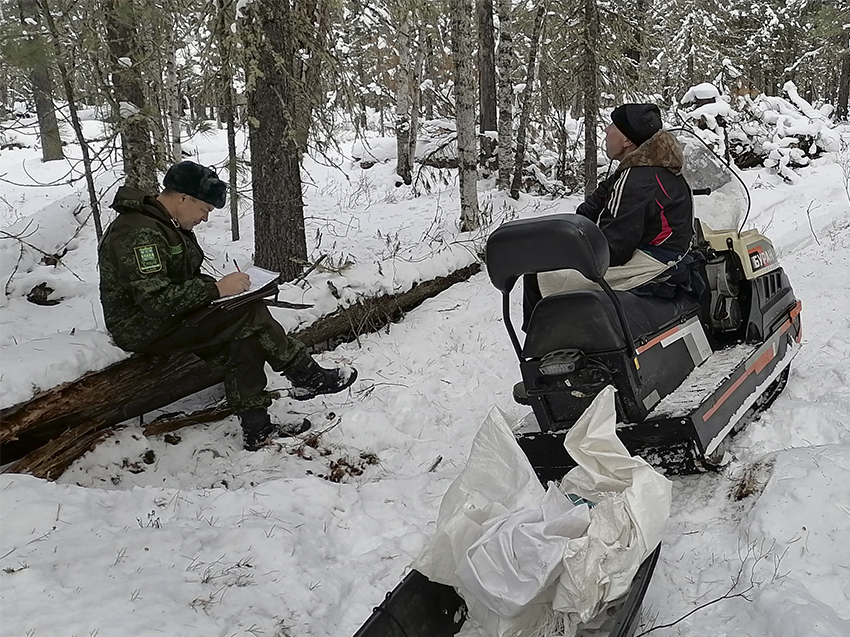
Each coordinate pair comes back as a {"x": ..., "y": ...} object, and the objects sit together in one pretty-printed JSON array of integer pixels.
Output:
[{"x": 237, "y": 265}]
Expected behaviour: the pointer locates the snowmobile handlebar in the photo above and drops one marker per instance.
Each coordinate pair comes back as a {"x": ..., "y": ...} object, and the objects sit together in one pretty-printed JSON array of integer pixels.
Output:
[{"x": 701, "y": 191}]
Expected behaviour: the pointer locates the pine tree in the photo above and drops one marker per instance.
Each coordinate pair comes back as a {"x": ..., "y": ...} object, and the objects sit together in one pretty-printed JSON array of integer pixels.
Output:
[
  {"x": 132, "y": 115},
  {"x": 41, "y": 82},
  {"x": 279, "y": 237}
]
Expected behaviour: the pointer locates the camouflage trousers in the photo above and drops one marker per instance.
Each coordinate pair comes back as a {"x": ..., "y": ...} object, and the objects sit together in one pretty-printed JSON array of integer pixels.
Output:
[{"x": 240, "y": 342}]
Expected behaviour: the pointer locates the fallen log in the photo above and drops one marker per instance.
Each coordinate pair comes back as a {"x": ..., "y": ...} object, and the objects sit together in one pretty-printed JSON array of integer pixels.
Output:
[{"x": 98, "y": 401}]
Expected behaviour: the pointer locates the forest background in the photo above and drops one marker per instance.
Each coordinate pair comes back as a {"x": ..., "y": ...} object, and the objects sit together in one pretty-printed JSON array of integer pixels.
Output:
[{"x": 511, "y": 89}]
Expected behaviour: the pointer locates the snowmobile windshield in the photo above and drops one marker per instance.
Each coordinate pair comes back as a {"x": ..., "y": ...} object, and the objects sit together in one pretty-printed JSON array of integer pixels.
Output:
[{"x": 725, "y": 208}]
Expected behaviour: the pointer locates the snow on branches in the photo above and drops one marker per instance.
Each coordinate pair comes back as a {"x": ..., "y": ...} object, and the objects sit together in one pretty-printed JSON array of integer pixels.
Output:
[{"x": 779, "y": 133}]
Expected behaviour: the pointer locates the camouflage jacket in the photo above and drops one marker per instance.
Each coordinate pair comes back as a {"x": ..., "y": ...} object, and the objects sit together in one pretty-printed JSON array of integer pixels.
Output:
[{"x": 149, "y": 271}]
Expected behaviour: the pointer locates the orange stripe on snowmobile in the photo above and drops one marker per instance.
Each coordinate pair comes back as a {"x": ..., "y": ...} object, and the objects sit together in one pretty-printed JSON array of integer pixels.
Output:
[
  {"x": 794, "y": 313},
  {"x": 655, "y": 341},
  {"x": 798, "y": 307},
  {"x": 760, "y": 363}
]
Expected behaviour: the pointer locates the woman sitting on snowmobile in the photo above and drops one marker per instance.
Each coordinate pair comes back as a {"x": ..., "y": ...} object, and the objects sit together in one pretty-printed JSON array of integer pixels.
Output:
[{"x": 644, "y": 209}]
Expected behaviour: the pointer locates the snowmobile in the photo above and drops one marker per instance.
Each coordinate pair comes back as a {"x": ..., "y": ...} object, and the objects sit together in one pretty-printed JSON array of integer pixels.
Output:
[{"x": 688, "y": 370}]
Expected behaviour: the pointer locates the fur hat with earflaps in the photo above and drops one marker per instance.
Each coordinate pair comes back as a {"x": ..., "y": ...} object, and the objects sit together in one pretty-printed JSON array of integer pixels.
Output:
[
  {"x": 638, "y": 122},
  {"x": 196, "y": 181}
]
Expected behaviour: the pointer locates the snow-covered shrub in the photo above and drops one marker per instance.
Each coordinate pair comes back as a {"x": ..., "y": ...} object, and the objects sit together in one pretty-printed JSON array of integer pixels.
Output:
[
  {"x": 779, "y": 133},
  {"x": 783, "y": 133},
  {"x": 709, "y": 113}
]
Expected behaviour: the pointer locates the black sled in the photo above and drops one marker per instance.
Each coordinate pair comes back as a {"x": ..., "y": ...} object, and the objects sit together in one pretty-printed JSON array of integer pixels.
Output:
[{"x": 418, "y": 607}]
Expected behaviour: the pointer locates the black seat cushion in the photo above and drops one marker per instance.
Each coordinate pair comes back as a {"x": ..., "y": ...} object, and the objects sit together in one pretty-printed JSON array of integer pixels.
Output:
[
  {"x": 587, "y": 320},
  {"x": 542, "y": 244}
]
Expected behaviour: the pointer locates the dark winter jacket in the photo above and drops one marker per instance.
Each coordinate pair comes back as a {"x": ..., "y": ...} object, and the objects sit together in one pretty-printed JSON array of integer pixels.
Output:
[
  {"x": 149, "y": 271},
  {"x": 646, "y": 204}
]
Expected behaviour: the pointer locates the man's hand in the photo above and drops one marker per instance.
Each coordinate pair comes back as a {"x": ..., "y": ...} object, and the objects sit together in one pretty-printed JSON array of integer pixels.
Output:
[{"x": 233, "y": 283}]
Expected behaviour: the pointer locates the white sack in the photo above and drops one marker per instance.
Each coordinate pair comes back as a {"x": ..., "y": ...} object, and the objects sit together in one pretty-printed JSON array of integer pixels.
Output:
[
  {"x": 498, "y": 531},
  {"x": 521, "y": 553},
  {"x": 627, "y": 523},
  {"x": 496, "y": 481}
]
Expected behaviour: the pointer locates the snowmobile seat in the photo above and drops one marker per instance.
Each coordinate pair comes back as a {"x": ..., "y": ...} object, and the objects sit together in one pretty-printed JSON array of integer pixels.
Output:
[
  {"x": 543, "y": 244},
  {"x": 579, "y": 341},
  {"x": 587, "y": 320}
]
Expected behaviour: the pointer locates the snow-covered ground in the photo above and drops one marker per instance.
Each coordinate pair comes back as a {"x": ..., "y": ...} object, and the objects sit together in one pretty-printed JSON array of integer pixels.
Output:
[{"x": 189, "y": 534}]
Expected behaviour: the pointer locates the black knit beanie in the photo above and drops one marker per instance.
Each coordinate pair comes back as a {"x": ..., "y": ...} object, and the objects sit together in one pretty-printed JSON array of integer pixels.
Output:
[
  {"x": 638, "y": 122},
  {"x": 196, "y": 181}
]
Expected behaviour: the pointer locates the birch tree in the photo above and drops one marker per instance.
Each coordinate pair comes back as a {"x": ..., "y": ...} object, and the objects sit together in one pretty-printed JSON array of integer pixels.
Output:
[{"x": 463, "y": 38}]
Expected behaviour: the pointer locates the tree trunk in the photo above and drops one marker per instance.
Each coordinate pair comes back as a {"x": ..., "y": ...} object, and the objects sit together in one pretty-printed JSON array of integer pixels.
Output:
[
  {"x": 159, "y": 106},
  {"x": 525, "y": 113},
  {"x": 42, "y": 90},
  {"x": 172, "y": 92},
  {"x": 591, "y": 93},
  {"x": 404, "y": 164},
  {"x": 429, "y": 64},
  {"x": 312, "y": 22},
  {"x": 48, "y": 127},
  {"x": 228, "y": 98},
  {"x": 463, "y": 44},
  {"x": 486, "y": 66},
  {"x": 416, "y": 96},
  {"x": 506, "y": 94},
  {"x": 280, "y": 244},
  {"x": 233, "y": 199},
  {"x": 75, "y": 118},
  {"x": 128, "y": 93},
  {"x": 844, "y": 82}
]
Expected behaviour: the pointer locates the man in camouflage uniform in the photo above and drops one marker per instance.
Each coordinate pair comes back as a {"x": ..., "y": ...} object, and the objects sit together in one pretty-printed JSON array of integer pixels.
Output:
[{"x": 150, "y": 282}]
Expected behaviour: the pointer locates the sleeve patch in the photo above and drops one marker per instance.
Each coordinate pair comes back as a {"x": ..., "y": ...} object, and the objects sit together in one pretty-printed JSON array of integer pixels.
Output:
[{"x": 148, "y": 259}]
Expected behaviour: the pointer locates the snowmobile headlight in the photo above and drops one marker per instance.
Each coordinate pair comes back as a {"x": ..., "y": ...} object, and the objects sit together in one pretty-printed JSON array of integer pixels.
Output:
[{"x": 561, "y": 362}]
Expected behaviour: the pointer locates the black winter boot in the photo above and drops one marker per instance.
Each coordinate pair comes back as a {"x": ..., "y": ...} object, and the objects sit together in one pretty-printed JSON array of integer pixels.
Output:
[
  {"x": 257, "y": 428},
  {"x": 309, "y": 379}
]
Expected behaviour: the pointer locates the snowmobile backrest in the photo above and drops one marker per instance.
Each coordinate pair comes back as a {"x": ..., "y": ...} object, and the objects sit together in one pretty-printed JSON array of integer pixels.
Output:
[{"x": 542, "y": 244}]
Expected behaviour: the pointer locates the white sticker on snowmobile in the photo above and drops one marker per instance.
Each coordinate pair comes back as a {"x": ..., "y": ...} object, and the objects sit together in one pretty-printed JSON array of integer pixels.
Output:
[{"x": 693, "y": 335}]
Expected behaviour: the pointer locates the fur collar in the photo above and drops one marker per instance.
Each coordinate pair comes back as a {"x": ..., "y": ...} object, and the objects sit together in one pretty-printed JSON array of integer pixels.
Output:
[{"x": 662, "y": 149}]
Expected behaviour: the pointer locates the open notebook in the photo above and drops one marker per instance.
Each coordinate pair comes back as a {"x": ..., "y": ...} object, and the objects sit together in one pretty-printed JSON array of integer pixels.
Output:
[{"x": 260, "y": 278}]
